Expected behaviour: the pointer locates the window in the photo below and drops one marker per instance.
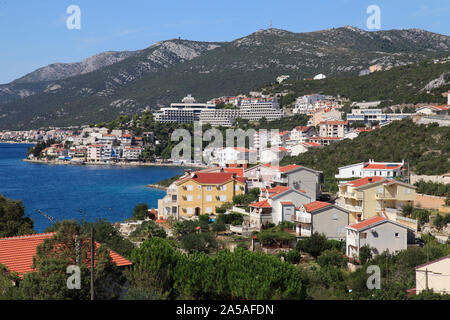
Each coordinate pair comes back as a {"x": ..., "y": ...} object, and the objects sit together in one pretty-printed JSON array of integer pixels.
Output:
[
  {"x": 208, "y": 188},
  {"x": 380, "y": 190},
  {"x": 190, "y": 187},
  {"x": 199, "y": 197},
  {"x": 407, "y": 191},
  {"x": 397, "y": 235},
  {"x": 190, "y": 210},
  {"x": 363, "y": 235},
  {"x": 190, "y": 198},
  {"x": 335, "y": 217},
  {"x": 208, "y": 198},
  {"x": 199, "y": 187},
  {"x": 223, "y": 188},
  {"x": 223, "y": 198},
  {"x": 237, "y": 188},
  {"x": 208, "y": 210}
]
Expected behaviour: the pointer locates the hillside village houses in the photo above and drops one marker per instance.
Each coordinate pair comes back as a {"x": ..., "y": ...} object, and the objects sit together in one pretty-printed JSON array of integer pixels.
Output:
[
  {"x": 434, "y": 275},
  {"x": 376, "y": 196},
  {"x": 379, "y": 234},
  {"x": 372, "y": 169}
]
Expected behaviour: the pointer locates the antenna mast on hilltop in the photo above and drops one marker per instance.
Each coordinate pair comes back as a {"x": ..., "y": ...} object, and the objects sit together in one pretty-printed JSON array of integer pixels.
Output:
[{"x": 270, "y": 24}]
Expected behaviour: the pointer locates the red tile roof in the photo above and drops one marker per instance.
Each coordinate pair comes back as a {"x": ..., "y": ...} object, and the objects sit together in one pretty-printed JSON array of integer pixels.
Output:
[
  {"x": 211, "y": 178},
  {"x": 364, "y": 181},
  {"x": 381, "y": 166},
  {"x": 261, "y": 204},
  {"x": 367, "y": 223},
  {"x": 283, "y": 169},
  {"x": 316, "y": 205},
  {"x": 238, "y": 171},
  {"x": 334, "y": 122},
  {"x": 17, "y": 253},
  {"x": 286, "y": 203}
]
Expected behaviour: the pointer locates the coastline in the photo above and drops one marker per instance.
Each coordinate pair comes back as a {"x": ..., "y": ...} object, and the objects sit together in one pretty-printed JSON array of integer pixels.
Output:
[
  {"x": 156, "y": 186},
  {"x": 119, "y": 164}
]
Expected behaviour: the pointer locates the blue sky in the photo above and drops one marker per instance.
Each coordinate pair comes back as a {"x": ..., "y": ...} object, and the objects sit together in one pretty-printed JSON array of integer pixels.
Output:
[{"x": 34, "y": 33}]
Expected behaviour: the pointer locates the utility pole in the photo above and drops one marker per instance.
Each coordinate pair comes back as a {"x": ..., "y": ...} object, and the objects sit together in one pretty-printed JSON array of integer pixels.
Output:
[
  {"x": 92, "y": 256},
  {"x": 92, "y": 262}
]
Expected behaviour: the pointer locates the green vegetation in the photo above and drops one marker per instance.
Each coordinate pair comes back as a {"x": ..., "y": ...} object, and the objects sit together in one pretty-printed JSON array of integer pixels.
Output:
[
  {"x": 434, "y": 189},
  {"x": 12, "y": 219},
  {"x": 239, "y": 274},
  {"x": 140, "y": 211},
  {"x": 146, "y": 230},
  {"x": 409, "y": 81},
  {"x": 167, "y": 182},
  {"x": 427, "y": 150}
]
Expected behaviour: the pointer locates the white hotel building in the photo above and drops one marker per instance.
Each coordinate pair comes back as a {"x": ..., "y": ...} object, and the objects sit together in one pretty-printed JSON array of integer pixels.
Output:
[{"x": 188, "y": 111}]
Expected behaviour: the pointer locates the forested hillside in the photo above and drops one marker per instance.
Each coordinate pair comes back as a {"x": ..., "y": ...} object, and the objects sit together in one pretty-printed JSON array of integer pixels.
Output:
[{"x": 425, "y": 147}]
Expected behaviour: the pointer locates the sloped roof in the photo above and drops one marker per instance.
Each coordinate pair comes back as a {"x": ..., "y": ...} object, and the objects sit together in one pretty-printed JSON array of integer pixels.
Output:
[
  {"x": 211, "y": 178},
  {"x": 316, "y": 205},
  {"x": 367, "y": 223},
  {"x": 261, "y": 204},
  {"x": 17, "y": 253},
  {"x": 364, "y": 181}
]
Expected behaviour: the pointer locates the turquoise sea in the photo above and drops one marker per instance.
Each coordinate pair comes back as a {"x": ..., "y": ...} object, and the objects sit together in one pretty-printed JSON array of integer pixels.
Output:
[{"x": 60, "y": 191}]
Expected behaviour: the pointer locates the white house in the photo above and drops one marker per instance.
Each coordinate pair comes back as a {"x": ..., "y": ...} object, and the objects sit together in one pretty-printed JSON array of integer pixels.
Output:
[
  {"x": 378, "y": 233},
  {"x": 434, "y": 275},
  {"x": 371, "y": 169}
]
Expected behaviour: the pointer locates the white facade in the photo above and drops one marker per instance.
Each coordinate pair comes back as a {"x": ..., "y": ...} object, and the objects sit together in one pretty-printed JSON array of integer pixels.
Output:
[
  {"x": 188, "y": 111},
  {"x": 380, "y": 236},
  {"x": 434, "y": 275},
  {"x": 371, "y": 169}
]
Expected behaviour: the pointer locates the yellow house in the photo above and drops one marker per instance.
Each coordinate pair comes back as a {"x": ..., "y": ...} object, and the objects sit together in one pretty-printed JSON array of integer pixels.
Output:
[
  {"x": 375, "y": 196},
  {"x": 203, "y": 192}
]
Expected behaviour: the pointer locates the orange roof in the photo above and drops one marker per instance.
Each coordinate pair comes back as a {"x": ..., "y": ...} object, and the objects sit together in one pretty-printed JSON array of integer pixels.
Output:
[
  {"x": 381, "y": 166},
  {"x": 366, "y": 223},
  {"x": 311, "y": 144},
  {"x": 17, "y": 253},
  {"x": 212, "y": 177},
  {"x": 261, "y": 204},
  {"x": 283, "y": 169},
  {"x": 364, "y": 181},
  {"x": 335, "y": 122},
  {"x": 316, "y": 205},
  {"x": 238, "y": 171},
  {"x": 286, "y": 203}
]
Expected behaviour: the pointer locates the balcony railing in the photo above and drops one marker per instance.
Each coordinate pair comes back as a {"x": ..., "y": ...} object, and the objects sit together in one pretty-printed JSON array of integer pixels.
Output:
[
  {"x": 305, "y": 233},
  {"x": 353, "y": 208},
  {"x": 301, "y": 218},
  {"x": 385, "y": 196}
]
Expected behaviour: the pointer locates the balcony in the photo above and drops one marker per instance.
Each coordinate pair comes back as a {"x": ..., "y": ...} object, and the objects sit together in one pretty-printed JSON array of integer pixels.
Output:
[
  {"x": 302, "y": 218},
  {"x": 352, "y": 195},
  {"x": 349, "y": 207},
  {"x": 280, "y": 179},
  {"x": 385, "y": 196},
  {"x": 352, "y": 241},
  {"x": 304, "y": 233}
]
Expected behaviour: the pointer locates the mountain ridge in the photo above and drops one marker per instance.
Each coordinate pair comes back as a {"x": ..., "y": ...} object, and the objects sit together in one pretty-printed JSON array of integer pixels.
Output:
[{"x": 168, "y": 70}]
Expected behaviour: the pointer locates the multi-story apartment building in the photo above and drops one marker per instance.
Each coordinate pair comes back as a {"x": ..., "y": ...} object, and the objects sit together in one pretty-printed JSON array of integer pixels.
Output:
[
  {"x": 201, "y": 192},
  {"x": 168, "y": 206},
  {"x": 301, "y": 134},
  {"x": 323, "y": 114},
  {"x": 188, "y": 111},
  {"x": 256, "y": 109},
  {"x": 131, "y": 153},
  {"x": 304, "y": 103},
  {"x": 372, "y": 169},
  {"x": 368, "y": 115},
  {"x": 374, "y": 196},
  {"x": 333, "y": 128},
  {"x": 219, "y": 117}
]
